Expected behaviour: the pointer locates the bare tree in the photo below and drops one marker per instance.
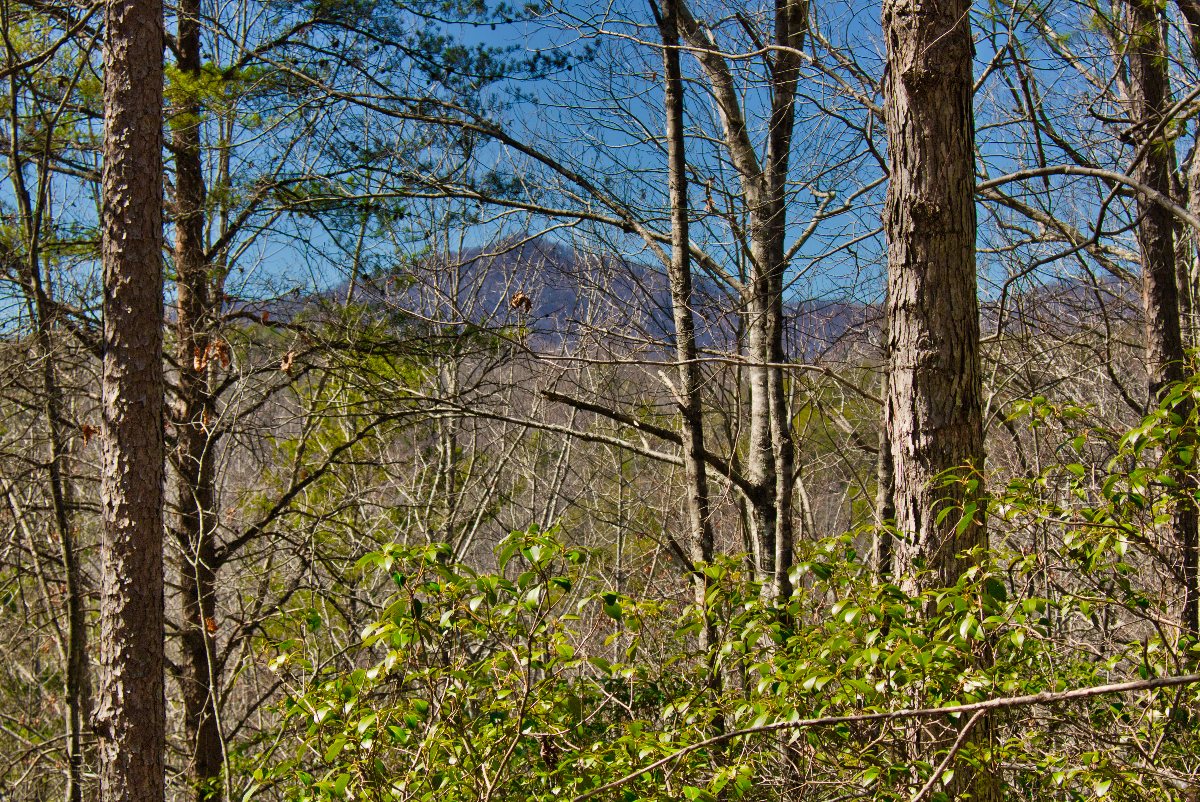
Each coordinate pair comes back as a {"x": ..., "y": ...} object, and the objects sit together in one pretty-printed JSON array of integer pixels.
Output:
[
  {"x": 680, "y": 277},
  {"x": 771, "y": 458},
  {"x": 32, "y": 175}
]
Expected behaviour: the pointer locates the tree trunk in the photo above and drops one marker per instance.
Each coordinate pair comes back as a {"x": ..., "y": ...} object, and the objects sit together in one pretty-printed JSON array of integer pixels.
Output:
[
  {"x": 130, "y": 719},
  {"x": 197, "y": 353},
  {"x": 885, "y": 494},
  {"x": 791, "y": 26},
  {"x": 1191, "y": 261},
  {"x": 1188, "y": 274},
  {"x": 687, "y": 371},
  {"x": 78, "y": 690},
  {"x": 770, "y": 457},
  {"x": 933, "y": 412},
  {"x": 1165, "y": 357}
]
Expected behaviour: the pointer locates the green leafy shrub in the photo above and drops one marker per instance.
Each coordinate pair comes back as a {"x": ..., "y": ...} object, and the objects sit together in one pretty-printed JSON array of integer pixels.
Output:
[{"x": 538, "y": 681}]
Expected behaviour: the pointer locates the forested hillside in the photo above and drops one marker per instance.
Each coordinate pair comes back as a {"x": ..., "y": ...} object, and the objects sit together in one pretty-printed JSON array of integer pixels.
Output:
[{"x": 678, "y": 399}]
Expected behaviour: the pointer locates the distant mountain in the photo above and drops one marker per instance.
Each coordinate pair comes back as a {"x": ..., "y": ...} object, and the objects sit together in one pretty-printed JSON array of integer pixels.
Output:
[
  {"x": 560, "y": 297},
  {"x": 563, "y": 297}
]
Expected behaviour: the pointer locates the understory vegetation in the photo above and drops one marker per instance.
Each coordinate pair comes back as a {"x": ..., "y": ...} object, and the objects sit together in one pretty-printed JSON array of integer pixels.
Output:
[{"x": 537, "y": 680}]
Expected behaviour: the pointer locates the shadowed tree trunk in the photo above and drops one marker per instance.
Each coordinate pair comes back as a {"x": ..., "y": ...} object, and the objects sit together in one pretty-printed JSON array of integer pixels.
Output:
[
  {"x": 1156, "y": 228},
  {"x": 197, "y": 351},
  {"x": 1156, "y": 224},
  {"x": 1190, "y": 287},
  {"x": 130, "y": 718}
]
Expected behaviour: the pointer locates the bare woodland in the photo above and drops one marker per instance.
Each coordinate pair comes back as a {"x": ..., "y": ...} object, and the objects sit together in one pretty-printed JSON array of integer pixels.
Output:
[{"x": 471, "y": 401}]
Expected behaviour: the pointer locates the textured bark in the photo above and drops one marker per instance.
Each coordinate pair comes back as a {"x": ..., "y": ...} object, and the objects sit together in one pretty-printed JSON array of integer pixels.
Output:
[
  {"x": 1165, "y": 358},
  {"x": 885, "y": 510},
  {"x": 933, "y": 416},
  {"x": 932, "y": 409},
  {"x": 195, "y": 491},
  {"x": 130, "y": 720},
  {"x": 687, "y": 372}
]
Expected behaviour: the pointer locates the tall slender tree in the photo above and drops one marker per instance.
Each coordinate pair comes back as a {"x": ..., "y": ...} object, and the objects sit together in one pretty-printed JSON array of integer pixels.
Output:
[
  {"x": 31, "y": 180},
  {"x": 198, "y": 291},
  {"x": 1189, "y": 271},
  {"x": 770, "y": 461},
  {"x": 680, "y": 277},
  {"x": 130, "y": 719}
]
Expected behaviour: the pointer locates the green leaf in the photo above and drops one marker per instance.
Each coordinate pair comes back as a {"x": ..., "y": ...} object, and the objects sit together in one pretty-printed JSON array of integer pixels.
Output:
[
  {"x": 995, "y": 588},
  {"x": 339, "y": 785},
  {"x": 612, "y": 606},
  {"x": 334, "y": 749}
]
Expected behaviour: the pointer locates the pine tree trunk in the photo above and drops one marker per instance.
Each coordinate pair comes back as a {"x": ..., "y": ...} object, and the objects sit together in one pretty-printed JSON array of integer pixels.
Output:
[{"x": 130, "y": 717}]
